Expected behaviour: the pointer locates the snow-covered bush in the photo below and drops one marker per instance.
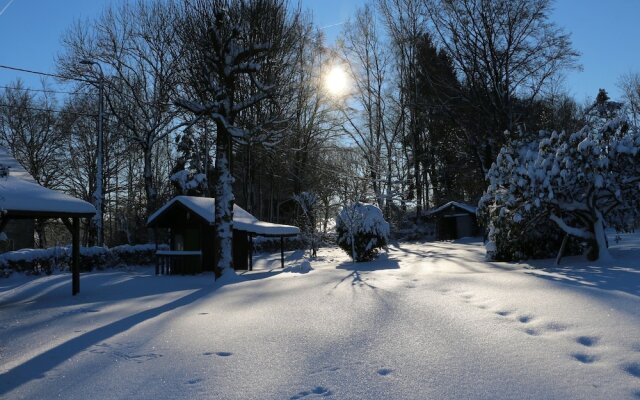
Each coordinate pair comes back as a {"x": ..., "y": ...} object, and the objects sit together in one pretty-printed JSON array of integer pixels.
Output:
[
  {"x": 362, "y": 230},
  {"x": 582, "y": 182},
  {"x": 36, "y": 261},
  {"x": 139, "y": 254}
]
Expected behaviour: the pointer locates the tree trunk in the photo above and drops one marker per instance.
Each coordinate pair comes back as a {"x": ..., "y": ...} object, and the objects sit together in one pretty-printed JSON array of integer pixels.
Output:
[
  {"x": 149, "y": 188},
  {"x": 601, "y": 239},
  {"x": 223, "y": 192}
]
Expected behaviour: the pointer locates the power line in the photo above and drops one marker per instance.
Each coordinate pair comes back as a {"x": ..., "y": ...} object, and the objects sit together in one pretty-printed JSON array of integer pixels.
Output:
[
  {"x": 66, "y": 78},
  {"x": 47, "y": 110},
  {"x": 39, "y": 90}
]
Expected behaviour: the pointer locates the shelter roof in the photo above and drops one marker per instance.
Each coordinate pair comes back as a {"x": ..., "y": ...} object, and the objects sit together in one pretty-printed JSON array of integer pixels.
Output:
[
  {"x": 22, "y": 197},
  {"x": 242, "y": 220}
]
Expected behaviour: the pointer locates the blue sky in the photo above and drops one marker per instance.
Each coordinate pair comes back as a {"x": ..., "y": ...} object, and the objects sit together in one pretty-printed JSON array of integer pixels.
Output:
[{"x": 604, "y": 32}]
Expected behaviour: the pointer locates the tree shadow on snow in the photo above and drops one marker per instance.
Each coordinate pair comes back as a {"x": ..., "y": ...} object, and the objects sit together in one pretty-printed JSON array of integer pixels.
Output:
[
  {"x": 621, "y": 277},
  {"x": 382, "y": 262},
  {"x": 38, "y": 366}
]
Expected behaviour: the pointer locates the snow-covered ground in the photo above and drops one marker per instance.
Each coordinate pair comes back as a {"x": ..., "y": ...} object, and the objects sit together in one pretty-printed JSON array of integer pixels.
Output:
[{"x": 426, "y": 321}]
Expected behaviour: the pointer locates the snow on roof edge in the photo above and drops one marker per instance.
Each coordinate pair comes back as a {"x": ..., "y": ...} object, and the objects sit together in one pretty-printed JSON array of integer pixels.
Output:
[
  {"x": 467, "y": 207},
  {"x": 242, "y": 219}
]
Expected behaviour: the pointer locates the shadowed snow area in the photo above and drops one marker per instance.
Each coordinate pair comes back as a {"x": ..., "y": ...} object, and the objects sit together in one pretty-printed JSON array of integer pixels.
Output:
[{"x": 425, "y": 321}]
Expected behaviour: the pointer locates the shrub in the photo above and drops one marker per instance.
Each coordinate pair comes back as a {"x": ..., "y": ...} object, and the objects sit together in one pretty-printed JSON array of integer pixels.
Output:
[
  {"x": 362, "y": 230},
  {"x": 36, "y": 261}
]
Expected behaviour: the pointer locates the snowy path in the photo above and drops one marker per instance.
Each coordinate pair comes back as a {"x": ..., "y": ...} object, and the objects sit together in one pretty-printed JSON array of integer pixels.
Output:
[{"x": 428, "y": 321}]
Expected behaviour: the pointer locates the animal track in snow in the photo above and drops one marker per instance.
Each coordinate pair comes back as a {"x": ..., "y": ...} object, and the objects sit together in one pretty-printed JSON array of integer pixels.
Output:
[
  {"x": 532, "y": 332},
  {"x": 325, "y": 369},
  {"x": 585, "y": 358},
  {"x": 318, "y": 391},
  {"x": 194, "y": 381},
  {"x": 219, "y": 353},
  {"x": 632, "y": 369},
  {"x": 504, "y": 313},
  {"x": 556, "y": 327},
  {"x": 588, "y": 341},
  {"x": 384, "y": 371},
  {"x": 525, "y": 318}
]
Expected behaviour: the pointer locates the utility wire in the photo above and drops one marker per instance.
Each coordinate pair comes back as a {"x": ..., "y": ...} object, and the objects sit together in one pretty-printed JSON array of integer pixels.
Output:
[
  {"x": 66, "y": 78},
  {"x": 47, "y": 110},
  {"x": 39, "y": 90}
]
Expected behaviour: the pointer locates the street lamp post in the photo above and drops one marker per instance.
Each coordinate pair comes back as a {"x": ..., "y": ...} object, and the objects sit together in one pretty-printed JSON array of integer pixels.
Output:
[{"x": 98, "y": 194}]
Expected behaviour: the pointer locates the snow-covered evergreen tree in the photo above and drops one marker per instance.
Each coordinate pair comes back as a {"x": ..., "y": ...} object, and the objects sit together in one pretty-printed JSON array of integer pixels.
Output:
[
  {"x": 188, "y": 175},
  {"x": 362, "y": 230},
  {"x": 583, "y": 181}
]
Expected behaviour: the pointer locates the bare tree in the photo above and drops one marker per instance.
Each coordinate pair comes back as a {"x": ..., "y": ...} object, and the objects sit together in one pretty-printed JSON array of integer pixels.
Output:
[
  {"x": 504, "y": 52},
  {"x": 227, "y": 45},
  {"x": 406, "y": 25},
  {"x": 29, "y": 129},
  {"x": 630, "y": 86},
  {"x": 134, "y": 44}
]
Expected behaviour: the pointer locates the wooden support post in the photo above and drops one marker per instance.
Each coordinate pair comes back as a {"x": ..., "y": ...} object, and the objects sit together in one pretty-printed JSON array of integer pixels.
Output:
[
  {"x": 250, "y": 252},
  {"x": 281, "y": 251},
  {"x": 75, "y": 257},
  {"x": 155, "y": 237},
  {"x": 3, "y": 223}
]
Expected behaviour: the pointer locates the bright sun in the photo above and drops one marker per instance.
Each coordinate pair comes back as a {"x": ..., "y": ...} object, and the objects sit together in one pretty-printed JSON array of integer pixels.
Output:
[{"x": 336, "y": 81}]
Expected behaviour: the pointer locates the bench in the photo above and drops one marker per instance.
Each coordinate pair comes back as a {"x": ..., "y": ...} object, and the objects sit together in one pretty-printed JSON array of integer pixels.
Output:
[{"x": 177, "y": 262}]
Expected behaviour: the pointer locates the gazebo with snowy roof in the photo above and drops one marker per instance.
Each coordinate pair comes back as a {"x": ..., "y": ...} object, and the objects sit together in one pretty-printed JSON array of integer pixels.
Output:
[
  {"x": 190, "y": 221},
  {"x": 21, "y": 197},
  {"x": 454, "y": 220}
]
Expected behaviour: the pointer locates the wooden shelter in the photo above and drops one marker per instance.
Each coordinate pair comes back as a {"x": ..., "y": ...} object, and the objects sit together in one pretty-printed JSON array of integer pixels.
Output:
[
  {"x": 21, "y": 197},
  {"x": 190, "y": 221},
  {"x": 454, "y": 220}
]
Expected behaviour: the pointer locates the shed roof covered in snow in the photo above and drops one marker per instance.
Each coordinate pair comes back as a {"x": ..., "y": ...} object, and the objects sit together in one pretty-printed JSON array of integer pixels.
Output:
[
  {"x": 22, "y": 197},
  {"x": 453, "y": 204},
  {"x": 242, "y": 220}
]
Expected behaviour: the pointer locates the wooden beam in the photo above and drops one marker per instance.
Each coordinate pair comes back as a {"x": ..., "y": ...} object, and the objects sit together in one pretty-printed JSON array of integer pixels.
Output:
[
  {"x": 3, "y": 223},
  {"x": 281, "y": 251},
  {"x": 75, "y": 257},
  {"x": 68, "y": 224},
  {"x": 155, "y": 237},
  {"x": 250, "y": 252}
]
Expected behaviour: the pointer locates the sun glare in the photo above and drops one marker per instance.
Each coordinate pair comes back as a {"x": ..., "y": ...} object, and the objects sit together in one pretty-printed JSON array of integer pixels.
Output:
[{"x": 336, "y": 81}]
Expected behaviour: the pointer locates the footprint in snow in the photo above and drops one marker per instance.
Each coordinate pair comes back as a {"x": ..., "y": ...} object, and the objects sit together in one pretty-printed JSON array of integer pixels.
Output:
[
  {"x": 588, "y": 341},
  {"x": 556, "y": 327},
  {"x": 504, "y": 313},
  {"x": 194, "y": 381},
  {"x": 632, "y": 369},
  {"x": 532, "y": 332},
  {"x": 525, "y": 318},
  {"x": 317, "y": 391},
  {"x": 384, "y": 371},
  {"x": 219, "y": 353},
  {"x": 585, "y": 358}
]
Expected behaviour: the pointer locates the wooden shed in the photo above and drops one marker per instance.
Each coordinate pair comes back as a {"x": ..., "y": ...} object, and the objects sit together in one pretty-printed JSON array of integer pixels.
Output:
[
  {"x": 190, "y": 221},
  {"x": 22, "y": 198},
  {"x": 454, "y": 220}
]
